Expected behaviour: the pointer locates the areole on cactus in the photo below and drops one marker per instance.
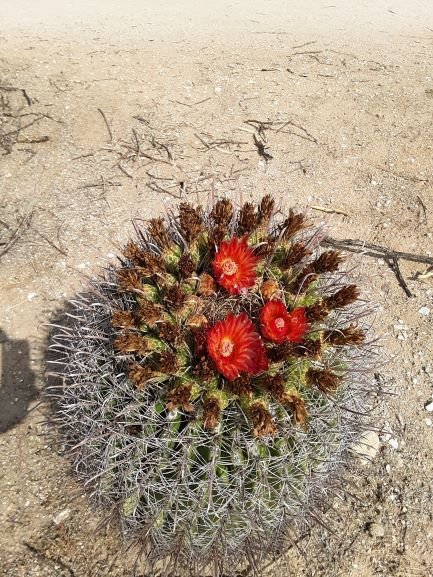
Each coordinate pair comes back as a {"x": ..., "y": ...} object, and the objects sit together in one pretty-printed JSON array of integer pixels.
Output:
[{"x": 213, "y": 380}]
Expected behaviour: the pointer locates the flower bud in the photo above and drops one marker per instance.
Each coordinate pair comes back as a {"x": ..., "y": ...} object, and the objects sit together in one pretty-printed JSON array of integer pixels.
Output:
[{"x": 269, "y": 289}]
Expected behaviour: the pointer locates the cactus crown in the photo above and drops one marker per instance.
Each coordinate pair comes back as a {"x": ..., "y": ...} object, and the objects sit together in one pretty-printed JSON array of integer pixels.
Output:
[{"x": 211, "y": 384}]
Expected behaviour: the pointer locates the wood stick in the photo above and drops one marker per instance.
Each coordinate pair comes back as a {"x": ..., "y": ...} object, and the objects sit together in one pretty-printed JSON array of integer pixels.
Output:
[{"x": 358, "y": 246}]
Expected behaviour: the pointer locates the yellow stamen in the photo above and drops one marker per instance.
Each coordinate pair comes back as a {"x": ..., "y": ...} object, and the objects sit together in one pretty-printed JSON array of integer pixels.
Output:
[
  {"x": 229, "y": 267},
  {"x": 226, "y": 347}
]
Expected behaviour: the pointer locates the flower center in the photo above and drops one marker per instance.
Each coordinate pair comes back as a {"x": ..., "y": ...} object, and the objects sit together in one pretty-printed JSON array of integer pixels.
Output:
[
  {"x": 229, "y": 267},
  {"x": 226, "y": 347},
  {"x": 280, "y": 323}
]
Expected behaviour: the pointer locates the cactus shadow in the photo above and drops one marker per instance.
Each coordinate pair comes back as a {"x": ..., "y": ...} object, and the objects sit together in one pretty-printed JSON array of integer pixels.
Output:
[{"x": 17, "y": 381}]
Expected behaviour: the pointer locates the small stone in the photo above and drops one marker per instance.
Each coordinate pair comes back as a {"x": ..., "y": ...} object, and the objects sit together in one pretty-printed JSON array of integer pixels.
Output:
[
  {"x": 367, "y": 447},
  {"x": 428, "y": 422},
  {"x": 61, "y": 516},
  {"x": 375, "y": 530},
  {"x": 393, "y": 443},
  {"x": 429, "y": 407},
  {"x": 424, "y": 311}
]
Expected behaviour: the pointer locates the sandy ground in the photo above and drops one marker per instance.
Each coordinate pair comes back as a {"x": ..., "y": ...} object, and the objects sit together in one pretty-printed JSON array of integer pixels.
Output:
[{"x": 346, "y": 92}]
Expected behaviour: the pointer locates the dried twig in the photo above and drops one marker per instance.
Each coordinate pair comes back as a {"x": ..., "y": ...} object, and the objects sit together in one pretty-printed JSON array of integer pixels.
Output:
[
  {"x": 36, "y": 140},
  {"x": 83, "y": 156},
  {"x": 106, "y": 124},
  {"x": 50, "y": 242},
  {"x": 376, "y": 250},
  {"x": 261, "y": 149},
  {"x": 390, "y": 256},
  {"x": 402, "y": 176},
  {"x": 304, "y": 44},
  {"x": 23, "y": 224},
  {"x": 424, "y": 209},
  {"x": 330, "y": 210},
  {"x": 43, "y": 555},
  {"x": 103, "y": 183},
  {"x": 394, "y": 266}
]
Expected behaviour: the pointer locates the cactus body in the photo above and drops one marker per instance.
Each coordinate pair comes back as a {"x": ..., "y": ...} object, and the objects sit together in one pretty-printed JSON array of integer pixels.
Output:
[{"x": 206, "y": 466}]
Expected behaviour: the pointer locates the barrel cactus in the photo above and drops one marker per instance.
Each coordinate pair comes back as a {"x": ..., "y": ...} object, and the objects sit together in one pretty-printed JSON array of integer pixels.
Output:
[{"x": 213, "y": 383}]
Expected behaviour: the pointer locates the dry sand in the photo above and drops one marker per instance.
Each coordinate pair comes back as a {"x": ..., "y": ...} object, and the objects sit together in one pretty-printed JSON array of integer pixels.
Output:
[{"x": 348, "y": 88}]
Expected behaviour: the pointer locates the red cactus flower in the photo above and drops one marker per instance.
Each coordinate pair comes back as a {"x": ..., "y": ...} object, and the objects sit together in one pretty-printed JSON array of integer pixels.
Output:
[
  {"x": 234, "y": 265},
  {"x": 235, "y": 347},
  {"x": 279, "y": 325}
]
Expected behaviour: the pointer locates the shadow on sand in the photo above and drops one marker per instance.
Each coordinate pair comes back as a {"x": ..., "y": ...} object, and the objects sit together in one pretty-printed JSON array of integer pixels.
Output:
[{"x": 17, "y": 381}]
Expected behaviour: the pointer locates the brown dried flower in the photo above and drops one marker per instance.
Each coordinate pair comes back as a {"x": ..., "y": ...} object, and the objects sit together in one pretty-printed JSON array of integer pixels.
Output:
[
  {"x": 186, "y": 266},
  {"x": 296, "y": 253},
  {"x": 275, "y": 385},
  {"x": 158, "y": 231},
  {"x": 139, "y": 375},
  {"x": 299, "y": 408},
  {"x": 216, "y": 236},
  {"x": 293, "y": 224},
  {"x": 211, "y": 413},
  {"x": 130, "y": 279},
  {"x": 179, "y": 398},
  {"x": 324, "y": 379},
  {"x": 134, "y": 253},
  {"x": 222, "y": 212},
  {"x": 266, "y": 209},
  {"x": 350, "y": 336},
  {"x": 328, "y": 261},
  {"x": 131, "y": 343},
  {"x": 317, "y": 312},
  {"x": 169, "y": 332},
  {"x": 266, "y": 248},
  {"x": 190, "y": 221},
  {"x": 241, "y": 386},
  {"x": 174, "y": 297},
  {"x": 263, "y": 423},
  {"x": 247, "y": 219},
  {"x": 148, "y": 313},
  {"x": 167, "y": 363},
  {"x": 342, "y": 298},
  {"x": 122, "y": 319},
  {"x": 204, "y": 369}
]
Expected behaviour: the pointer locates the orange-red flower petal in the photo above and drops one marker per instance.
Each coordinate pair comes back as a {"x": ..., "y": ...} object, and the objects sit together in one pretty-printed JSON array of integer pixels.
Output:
[
  {"x": 234, "y": 265},
  {"x": 235, "y": 347},
  {"x": 278, "y": 325}
]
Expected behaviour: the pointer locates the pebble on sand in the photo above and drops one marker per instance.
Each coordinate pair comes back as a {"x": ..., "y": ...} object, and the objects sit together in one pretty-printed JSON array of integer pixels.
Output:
[
  {"x": 367, "y": 447},
  {"x": 61, "y": 516}
]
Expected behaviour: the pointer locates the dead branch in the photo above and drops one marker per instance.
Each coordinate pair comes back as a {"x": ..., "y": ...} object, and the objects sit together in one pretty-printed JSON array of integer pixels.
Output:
[
  {"x": 376, "y": 250},
  {"x": 391, "y": 257}
]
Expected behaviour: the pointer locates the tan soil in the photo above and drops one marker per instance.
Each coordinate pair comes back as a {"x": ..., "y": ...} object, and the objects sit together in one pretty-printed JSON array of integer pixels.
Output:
[{"x": 357, "y": 100}]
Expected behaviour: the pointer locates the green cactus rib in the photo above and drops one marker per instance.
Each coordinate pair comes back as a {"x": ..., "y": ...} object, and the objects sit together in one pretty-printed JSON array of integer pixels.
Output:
[{"x": 210, "y": 494}]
